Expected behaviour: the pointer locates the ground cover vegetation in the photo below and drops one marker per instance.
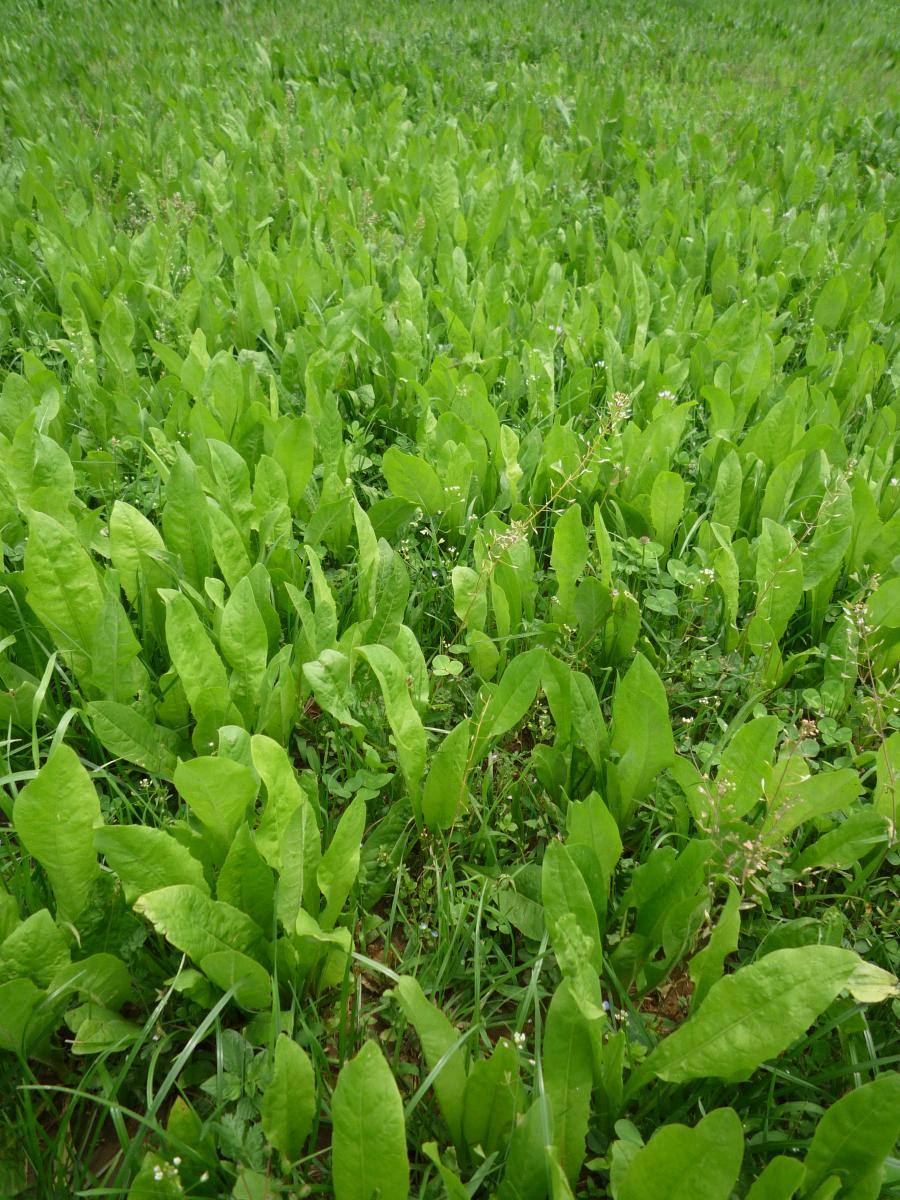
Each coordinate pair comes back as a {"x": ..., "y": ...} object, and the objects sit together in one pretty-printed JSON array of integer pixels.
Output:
[{"x": 450, "y": 606}]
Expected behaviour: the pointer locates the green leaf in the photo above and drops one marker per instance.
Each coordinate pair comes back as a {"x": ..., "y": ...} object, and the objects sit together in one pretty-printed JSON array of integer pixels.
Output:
[
  {"x": 568, "y": 1072},
  {"x": 590, "y": 823},
  {"x": 444, "y": 798},
  {"x": 232, "y": 969},
  {"x": 565, "y": 894},
  {"x": 831, "y": 302},
  {"x": 218, "y": 792},
  {"x": 813, "y": 796},
  {"x": 329, "y": 677},
  {"x": 642, "y": 735},
  {"x": 491, "y": 1098},
  {"x": 469, "y": 597},
  {"x": 35, "y": 950},
  {"x": 438, "y": 1038},
  {"x": 339, "y": 865},
  {"x": 244, "y": 643},
  {"x": 100, "y": 978},
  {"x": 568, "y": 557},
  {"x": 24, "y": 1019},
  {"x": 126, "y": 734},
  {"x": 136, "y": 549},
  {"x": 201, "y": 671},
  {"x": 679, "y": 1163},
  {"x": 245, "y": 880},
  {"x": 842, "y": 847},
  {"x": 405, "y": 722},
  {"x": 754, "y": 1014},
  {"x": 368, "y": 1134},
  {"x": 512, "y": 697},
  {"x": 63, "y": 589},
  {"x": 666, "y": 506},
  {"x": 779, "y": 1181},
  {"x": 185, "y": 520},
  {"x": 834, "y": 527},
  {"x": 854, "y": 1137},
  {"x": 742, "y": 771},
  {"x": 412, "y": 478},
  {"x": 288, "y": 1107},
  {"x": 288, "y": 835},
  {"x": 198, "y": 926},
  {"x": 779, "y": 577},
  {"x": 707, "y": 965},
  {"x": 146, "y": 859},
  {"x": 293, "y": 451},
  {"x": 55, "y": 816}
]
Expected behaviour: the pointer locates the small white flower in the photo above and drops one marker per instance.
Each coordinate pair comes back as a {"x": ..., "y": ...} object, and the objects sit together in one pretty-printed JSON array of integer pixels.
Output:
[{"x": 519, "y": 1039}]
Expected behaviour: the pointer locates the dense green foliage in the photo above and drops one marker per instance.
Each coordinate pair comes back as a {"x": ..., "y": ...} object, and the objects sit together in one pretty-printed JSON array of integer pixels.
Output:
[{"x": 450, "y": 607}]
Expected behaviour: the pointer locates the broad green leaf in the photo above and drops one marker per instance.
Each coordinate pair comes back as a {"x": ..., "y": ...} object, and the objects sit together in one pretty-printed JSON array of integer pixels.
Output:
[
  {"x": 198, "y": 926},
  {"x": 326, "y": 610},
  {"x": 413, "y": 479},
  {"x": 244, "y": 643},
  {"x": 63, "y": 589},
  {"x": 438, "y": 1038},
  {"x": 565, "y": 893},
  {"x": 288, "y": 834},
  {"x": 329, "y": 677},
  {"x": 339, "y": 865},
  {"x": 491, "y": 1099},
  {"x": 136, "y": 548},
  {"x": 24, "y": 1018},
  {"x": 567, "y": 1065},
  {"x": 35, "y": 950},
  {"x": 568, "y": 557},
  {"x": 779, "y": 577},
  {"x": 126, "y": 734},
  {"x": 854, "y": 1137},
  {"x": 512, "y": 697},
  {"x": 740, "y": 781},
  {"x": 831, "y": 302},
  {"x": 887, "y": 772},
  {"x": 246, "y": 881},
  {"x": 590, "y": 823},
  {"x": 218, "y": 791},
  {"x": 679, "y": 1163},
  {"x": 99, "y": 1030},
  {"x": 779, "y": 1181},
  {"x": 146, "y": 859},
  {"x": 369, "y": 1159},
  {"x": 834, "y": 526},
  {"x": 185, "y": 521},
  {"x": 444, "y": 797},
  {"x": 754, "y": 1014},
  {"x": 812, "y": 796},
  {"x": 405, "y": 722},
  {"x": 666, "y": 506},
  {"x": 55, "y": 816},
  {"x": 469, "y": 597},
  {"x": 201, "y": 671},
  {"x": 851, "y": 840},
  {"x": 707, "y": 965},
  {"x": 642, "y": 735},
  {"x": 288, "y": 1106},
  {"x": 99, "y": 978},
  {"x": 233, "y": 969},
  {"x": 293, "y": 451},
  {"x": 527, "y": 1175}
]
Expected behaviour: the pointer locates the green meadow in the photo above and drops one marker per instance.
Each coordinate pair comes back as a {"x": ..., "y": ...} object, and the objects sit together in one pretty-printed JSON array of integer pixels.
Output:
[{"x": 450, "y": 600}]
